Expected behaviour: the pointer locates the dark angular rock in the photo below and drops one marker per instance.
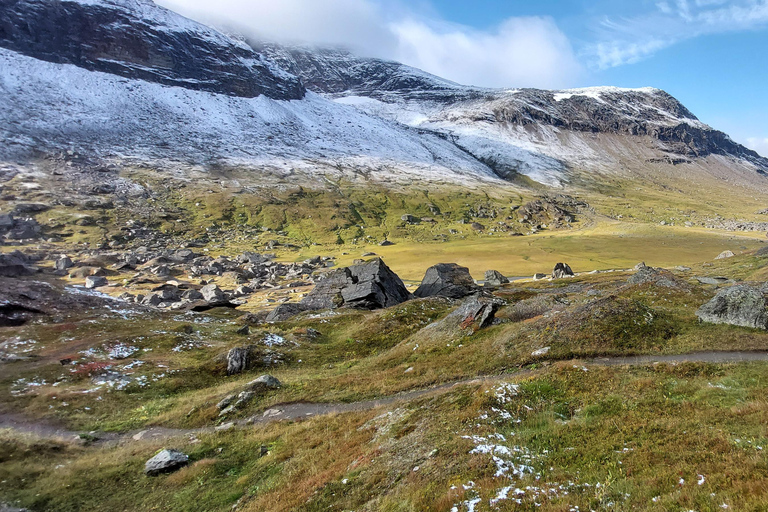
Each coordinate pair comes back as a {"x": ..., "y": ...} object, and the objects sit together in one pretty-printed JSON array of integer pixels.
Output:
[
  {"x": 495, "y": 278},
  {"x": 561, "y": 270},
  {"x": 369, "y": 285},
  {"x": 477, "y": 312},
  {"x": 63, "y": 263},
  {"x": 167, "y": 461},
  {"x": 741, "y": 305},
  {"x": 285, "y": 311},
  {"x": 14, "y": 264},
  {"x": 447, "y": 280}
]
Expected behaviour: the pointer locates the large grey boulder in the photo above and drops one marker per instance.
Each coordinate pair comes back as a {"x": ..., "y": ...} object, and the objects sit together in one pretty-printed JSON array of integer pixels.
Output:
[
  {"x": 167, "y": 461},
  {"x": 63, "y": 262},
  {"x": 477, "y": 312},
  {"x": 741, "y": 305},
  {"x": 447, "y": 280},
  {"x": 238, "y": 360},
  {"x": 213, "y": 293},
  {"x": 285, "y": 311},
  {"x": 561, "y": 270},
  {"x": 263, "y": 384},
  {"x": 494, "y": 278},
  {"x": 14, "y": 264},
  {"x": 92, "y": 282},
  {"x": 369, "y": 285}
]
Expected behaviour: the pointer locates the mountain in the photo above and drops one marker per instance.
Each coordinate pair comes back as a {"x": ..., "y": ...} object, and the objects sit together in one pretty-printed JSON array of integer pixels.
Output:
[
  {"x": 139, "y": 40},
  {"x": 545, "y": 134},
  {"x": 128, "y": 81}
]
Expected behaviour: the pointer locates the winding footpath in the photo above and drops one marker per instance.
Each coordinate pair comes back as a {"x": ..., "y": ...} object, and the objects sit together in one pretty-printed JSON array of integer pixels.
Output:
[{"x": 302, "y": 410}]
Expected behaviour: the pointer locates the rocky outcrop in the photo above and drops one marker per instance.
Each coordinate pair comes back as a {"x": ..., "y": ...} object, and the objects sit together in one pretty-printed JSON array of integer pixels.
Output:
[
  {"x": 167, "y": 461},
  {"x": 562, "y": 270},
  {"x": 14, "y": 264},
  {"x": 657, "y": 277},
  {"x": 446, "y": 280},
  {"x": 370, "y": 285},
  {"x": 740, "y": 305},
  {"x": 140, "y": 40}
]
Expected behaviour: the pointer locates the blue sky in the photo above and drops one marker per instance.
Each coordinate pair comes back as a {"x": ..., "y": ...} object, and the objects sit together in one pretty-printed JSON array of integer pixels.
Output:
[{"x": 710, "y": 54}]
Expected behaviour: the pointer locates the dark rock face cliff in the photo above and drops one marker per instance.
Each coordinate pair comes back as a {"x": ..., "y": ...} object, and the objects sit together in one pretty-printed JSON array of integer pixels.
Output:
[{"x": 140, "y": 40}]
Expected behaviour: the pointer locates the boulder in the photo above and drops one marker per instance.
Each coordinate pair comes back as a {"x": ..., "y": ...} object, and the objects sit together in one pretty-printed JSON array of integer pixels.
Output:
[
  {"x": 447, "y": 280},
  {"x": 14, "y": 264},
  {"x": 238, "y": 360},
  {"x": 725, "y": 254},
  {"x": 63, "y": 263},
  {"x": 82, "y": 272},
  {"x": 656, "y": 276},
  {"x": 538, "y": 276},
  {"x": 284, "y": 312},
  {"x": 213, "y": 294},
  {"x": 369, "y": 285},
  {"x": 167, "y": 461},
  {"x": 495, "y": 278},
  {"x": 386, "y": 243},
  {"x": 561, "y": 270},
  {"x": 477, "y": 312},
  {"x": 263, "y": 384},
  {"x": 410, "y": 219},
  {"x": 92, "y": 282},
  {"x": 741, "y": 305}
]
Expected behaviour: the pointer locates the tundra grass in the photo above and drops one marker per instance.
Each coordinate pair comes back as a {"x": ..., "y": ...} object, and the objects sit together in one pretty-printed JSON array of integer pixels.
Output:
[{"x": 659, "y": 438}]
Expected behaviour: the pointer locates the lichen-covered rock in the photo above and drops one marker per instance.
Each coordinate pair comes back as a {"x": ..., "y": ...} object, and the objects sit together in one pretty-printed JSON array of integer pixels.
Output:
[
  {"x": 447, "y": 280},
  {"x": 167, "y": 461},
  {"x": 212, "y": 293},
  {"x": 238, "y": 360},
  {"x": 725, "y": 254},
  {"x": 741, "y": 305}
]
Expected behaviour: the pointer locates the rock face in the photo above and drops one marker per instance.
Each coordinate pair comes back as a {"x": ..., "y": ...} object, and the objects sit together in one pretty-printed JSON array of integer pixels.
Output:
[
  {"x": 738, "y": 305},
  {"x": 561, "y": 270},
  {"x": 167, "y": 461},
  {"x": 369, "y": 285},
  {"x": 446, "y": 280},
  {"x": 494, "y": 278},
  {"x": 138, "y": 39}
]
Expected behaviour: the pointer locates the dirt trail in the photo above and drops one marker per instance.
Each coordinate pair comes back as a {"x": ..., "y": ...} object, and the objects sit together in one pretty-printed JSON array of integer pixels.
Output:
[{"x": 300, "y": 410}]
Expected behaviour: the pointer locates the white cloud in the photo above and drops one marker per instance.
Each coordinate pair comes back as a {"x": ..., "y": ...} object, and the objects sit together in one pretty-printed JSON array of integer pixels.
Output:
[
  {"x": 759, "y": 144},
  {"x": 520, "y": 52},
  {"x": 629, "y": 40}
]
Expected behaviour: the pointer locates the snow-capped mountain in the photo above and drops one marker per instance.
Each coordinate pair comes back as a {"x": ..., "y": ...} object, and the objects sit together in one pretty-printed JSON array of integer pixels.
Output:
[
  {"x": 544, "y": 134},
  {"x": 128, "y": 81}
]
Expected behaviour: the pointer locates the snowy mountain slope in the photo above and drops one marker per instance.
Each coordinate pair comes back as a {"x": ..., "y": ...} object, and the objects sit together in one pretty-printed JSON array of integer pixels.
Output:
[
  {"x": 543, "y": 134},
  {"x": 138, "y": 39},
  {"x": 58, "y": 107}
]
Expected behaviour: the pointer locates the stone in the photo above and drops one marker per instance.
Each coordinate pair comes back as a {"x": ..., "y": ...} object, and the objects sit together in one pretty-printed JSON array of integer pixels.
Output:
[
  {"x": 238, "y": 360},
  {"x": 561, "y": 270},
  {"x": 244, "y": 330},
  {"x": 63, "y": 263},
  {"x": 226, "y": 402},
  {"x": 192, "y": 295},
  {"x": 263, "y": 383},
  {"x": 213, "y": 294},
  {"x": 656, "y": 276},
  {"x": 14, "y": 264},
  {"x": 477, "y": 226},
  {"x": 725, "y": 254},
  {"x": 741, "y": 305},
  {"x": 83, "y": 272},
  {"x": 284, "y": 312},
  {"x": 447, "y": 280},
  {"x": 167, "y": 461},
  {"x": 477, "y": 312},
  {"x": 538, "y": 276},
  {"x": 540, "y": 352},
  {"x": 386, "y": 243},
  {"x": 92, "y": 282},
  {"x": 410, "y": 219},
  {"x": 370, "y": 285},
  {"x": 718, "y": 280},
  {"x": 494, "y": 278}
]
